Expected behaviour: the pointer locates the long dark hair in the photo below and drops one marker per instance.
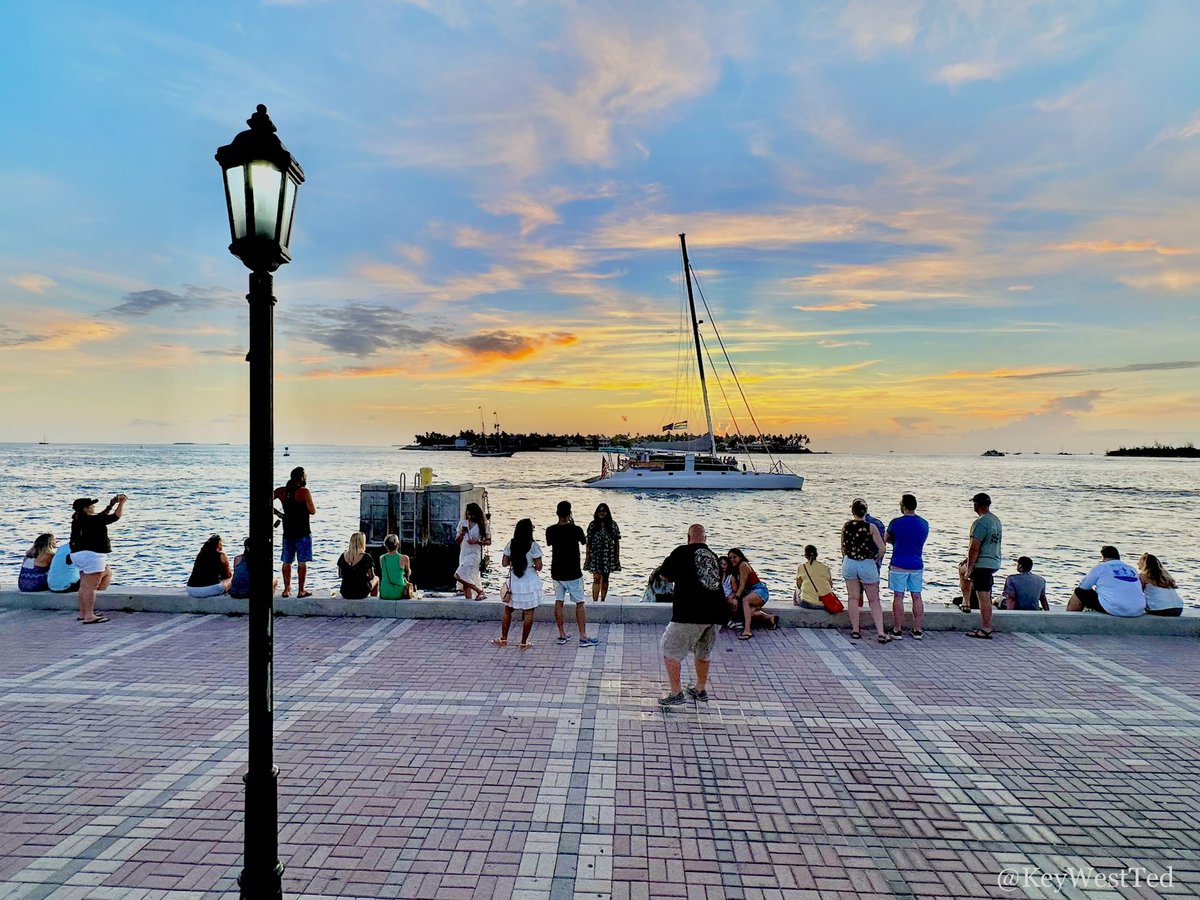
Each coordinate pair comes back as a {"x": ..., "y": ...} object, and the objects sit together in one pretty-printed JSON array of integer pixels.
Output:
[
  {"x": 605, "y": 524},
  {"x": 518, "y": 549},
  {"x": 474, "y": 513},
  {"x": 298, "y": 480}
]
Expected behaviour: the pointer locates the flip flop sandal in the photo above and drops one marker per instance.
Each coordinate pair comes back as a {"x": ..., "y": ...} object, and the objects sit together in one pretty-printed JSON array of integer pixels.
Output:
[
  {"x": 525, "y": 646},
  {"x": 745, "y": 636},
  {"x": 980, "y": 633},
  {"x": 499, "y": 642},
  {"x": 856, "y": 635},
  {"x": 303, "y": 594},
  {"x": 95, "y": 621},
  {"x": 286, "y": 594},
  {"x": 884, "y": 638}
]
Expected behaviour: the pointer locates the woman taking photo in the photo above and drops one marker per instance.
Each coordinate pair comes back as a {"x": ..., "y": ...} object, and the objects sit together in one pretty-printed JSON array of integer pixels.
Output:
[
  {"x": 357, "y": 570},
  {"x": 524, "y": 582},
  {"x": 862, "y": 549},
  {"x": 471, "y": 538},
  {"x": 603, "y": 550},
  {"x": 211, "y": 573},
  {"x": 89, "y": 551}
]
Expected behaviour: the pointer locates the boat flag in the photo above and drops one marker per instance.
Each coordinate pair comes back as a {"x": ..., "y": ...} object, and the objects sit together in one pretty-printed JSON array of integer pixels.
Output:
[
  {"x": 676, "y": 426},
  {"x": 604, "y": 467}
]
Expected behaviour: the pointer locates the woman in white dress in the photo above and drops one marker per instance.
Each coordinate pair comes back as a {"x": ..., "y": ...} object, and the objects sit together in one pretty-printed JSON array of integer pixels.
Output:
[
  {"x": 524, "y": 582},
  {"x": 472, "y": 537}
]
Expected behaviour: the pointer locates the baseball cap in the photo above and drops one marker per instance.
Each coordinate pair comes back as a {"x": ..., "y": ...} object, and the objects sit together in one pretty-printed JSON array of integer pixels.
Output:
[
  {"x": 83, "y": 503},
  {"x": 982, "y": 498}
]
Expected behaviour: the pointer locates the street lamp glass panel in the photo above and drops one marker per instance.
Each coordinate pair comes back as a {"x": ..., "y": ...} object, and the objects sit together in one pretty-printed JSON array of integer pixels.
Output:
[
  {"x": 264, "y": 188},
  {"x": 235, "y": 188},
  {"x": 289, "y": 208}
]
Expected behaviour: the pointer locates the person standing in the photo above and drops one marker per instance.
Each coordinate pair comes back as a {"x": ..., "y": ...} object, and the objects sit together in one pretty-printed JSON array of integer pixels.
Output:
[
  {"x": 862, "y": 550},
  {"x": 298, "y": 508},
  {"x": 89, "y": 551},
  {"x": 878, "y": 523},
  {"x": 697, "y": 611},
  {"x": 907, "y": 534},
  {"x": 1025, "y": 590},
  {"x": 603, "y": 550},
  {"x": 565, "y": 538},
  {"x": 983, "y": 560},
  {"x": 524, "y": 555},
  {"x": 472, "y": 536}
]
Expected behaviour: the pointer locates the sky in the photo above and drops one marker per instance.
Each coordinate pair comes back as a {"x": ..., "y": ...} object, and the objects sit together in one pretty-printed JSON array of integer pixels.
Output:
[{"x": 920, "y": 226}]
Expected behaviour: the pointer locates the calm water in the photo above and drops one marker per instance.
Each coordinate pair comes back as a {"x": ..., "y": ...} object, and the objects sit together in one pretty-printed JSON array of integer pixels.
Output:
[{"x": 1056, "y": 509}]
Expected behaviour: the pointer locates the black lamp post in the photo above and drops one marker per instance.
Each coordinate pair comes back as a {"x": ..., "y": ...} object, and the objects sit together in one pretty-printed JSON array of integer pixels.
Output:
[{"x": 261, "y": 180}]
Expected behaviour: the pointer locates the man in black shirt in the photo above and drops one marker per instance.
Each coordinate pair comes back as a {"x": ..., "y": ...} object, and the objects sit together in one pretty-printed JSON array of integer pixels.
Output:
[
  {"x": 565, "y": 539},
  {"x": 696, "y": 613}
]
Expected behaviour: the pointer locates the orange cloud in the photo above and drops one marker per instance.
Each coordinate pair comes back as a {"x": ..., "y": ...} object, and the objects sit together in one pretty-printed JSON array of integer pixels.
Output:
[
  {"x": 1123, "y": 247},
  {"x": 848, "y": 306},
  {"x": 37, "y": 284}
]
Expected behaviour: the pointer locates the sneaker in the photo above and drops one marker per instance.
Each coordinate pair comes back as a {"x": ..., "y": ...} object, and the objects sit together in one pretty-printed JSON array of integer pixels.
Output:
[
  {"x": 897, "y": 634},
  {"x": 589, "y": 642},
  {"x": 917, "y": 635},
  {"x": 672, "y": 700},
  {"x": 701, "y": 696},
  {"x": 562, "y": 639}
]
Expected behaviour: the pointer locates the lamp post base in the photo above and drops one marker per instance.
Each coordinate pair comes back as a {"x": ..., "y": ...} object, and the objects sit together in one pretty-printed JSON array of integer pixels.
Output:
[{"x": 261, "y": 885}]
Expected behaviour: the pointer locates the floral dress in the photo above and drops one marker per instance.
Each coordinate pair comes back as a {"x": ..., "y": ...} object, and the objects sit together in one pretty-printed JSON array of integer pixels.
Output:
[{"x": 603, "y": 548}]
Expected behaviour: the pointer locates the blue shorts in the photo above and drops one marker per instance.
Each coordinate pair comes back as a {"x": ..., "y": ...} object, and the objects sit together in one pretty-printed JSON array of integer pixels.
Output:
[
  {"x": 572, "y": 589},
  {"x": 297, "y": 549},
  {"x": 863, "y": 570},
  {"x": 905, "y": 581},
  {"x": 761, "y": 590}
]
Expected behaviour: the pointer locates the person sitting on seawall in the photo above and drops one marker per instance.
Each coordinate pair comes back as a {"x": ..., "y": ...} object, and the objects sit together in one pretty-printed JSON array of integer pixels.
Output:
[
  {"x": 36, "y": 565},
  {"x": 211, "y": 572},
  {"x": 1025, "y": 590},
  {"x": 1111, "y": 587},
  {"x": 395, "y": 573},
  {"x": 90, "y": 548},
  {"x": 357, "y": 570},
  {"x": 239, "y": 585},
  {"x": 1162, "y": 596},
  {"x": 813, "y": 579},
  {"x": 750, "y": 592},
  {"x": 63, "y": 577}
]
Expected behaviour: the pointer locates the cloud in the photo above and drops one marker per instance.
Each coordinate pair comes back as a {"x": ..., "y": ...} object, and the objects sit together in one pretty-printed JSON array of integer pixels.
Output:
[
  {"x": 491, "y": 346},
  {"x": 847, "y": 306},
  {"x": 965, "y": 72},
  {"x": 722, "y": 228},
  {"x": 836, "y": 344},
  {"x": 144, "y": 303},
  {"x": 35, "y": 284},
  {"x": 1020, "y": 288},
  {"x": 878, "y": 25},
  {"x": 1143, "y": 246},
  {"x": 1103, "y": 370},
  {"x": 1073, "y": 403},
  {"x": 1173, "y": 280},
  {"x": 360, "y": 329},
  {"x": 1184, "y": 132},
  {"x": 60, "y": 336}
]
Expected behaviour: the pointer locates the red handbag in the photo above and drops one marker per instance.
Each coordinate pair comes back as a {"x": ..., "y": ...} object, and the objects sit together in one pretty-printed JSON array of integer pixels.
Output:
[{"x": 832, "y": 604}]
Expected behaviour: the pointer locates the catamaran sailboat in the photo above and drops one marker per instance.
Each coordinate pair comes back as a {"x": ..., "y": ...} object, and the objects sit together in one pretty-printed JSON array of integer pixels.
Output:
[{"x": 691, "y": 465}]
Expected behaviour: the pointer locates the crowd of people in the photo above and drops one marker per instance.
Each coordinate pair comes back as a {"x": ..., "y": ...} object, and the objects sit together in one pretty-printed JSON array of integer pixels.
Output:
[{"x": 1112, "y": 586}]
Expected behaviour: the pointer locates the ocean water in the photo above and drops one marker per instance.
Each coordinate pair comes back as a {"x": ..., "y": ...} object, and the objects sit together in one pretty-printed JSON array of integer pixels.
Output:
[{"x": 1058, "y": 510}]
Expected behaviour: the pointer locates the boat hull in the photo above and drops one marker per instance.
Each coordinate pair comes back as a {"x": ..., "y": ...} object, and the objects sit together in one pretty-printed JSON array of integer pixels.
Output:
[{"x": 651, "y": 480}]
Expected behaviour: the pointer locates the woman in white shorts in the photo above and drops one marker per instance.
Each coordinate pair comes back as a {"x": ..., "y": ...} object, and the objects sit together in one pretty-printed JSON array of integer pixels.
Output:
[
  {"x": 862, "y": 552},
  {"x": 524, "y": 582},
  {"x": 89, "y": 551},
  {"x": 211, "y": 573}
]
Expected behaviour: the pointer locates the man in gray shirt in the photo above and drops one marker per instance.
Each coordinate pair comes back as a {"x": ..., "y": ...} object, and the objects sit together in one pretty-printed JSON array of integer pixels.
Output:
[{"x": 1025, "y": 590}]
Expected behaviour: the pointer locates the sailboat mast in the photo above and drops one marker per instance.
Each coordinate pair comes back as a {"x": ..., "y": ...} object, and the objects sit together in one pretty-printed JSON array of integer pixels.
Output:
[{"x": 687, "y": 273}]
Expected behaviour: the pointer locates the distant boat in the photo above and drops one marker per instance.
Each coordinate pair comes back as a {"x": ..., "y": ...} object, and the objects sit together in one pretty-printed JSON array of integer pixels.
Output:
[
  {"x": 992, "y": 453},
  {"x": 692, "y": 465},
  {"x": 486, "y": 450},
  {"x": 43, "y": 442}
]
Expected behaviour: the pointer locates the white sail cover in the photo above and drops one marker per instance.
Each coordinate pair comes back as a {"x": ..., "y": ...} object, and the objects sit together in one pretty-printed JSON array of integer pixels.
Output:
[{"x": 700, "y": 444}]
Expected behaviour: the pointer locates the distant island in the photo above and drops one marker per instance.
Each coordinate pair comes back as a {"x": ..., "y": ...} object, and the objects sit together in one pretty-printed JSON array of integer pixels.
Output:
[
  {"x": 465, "y": 440},
  {"x": 1188, "y": 450}
]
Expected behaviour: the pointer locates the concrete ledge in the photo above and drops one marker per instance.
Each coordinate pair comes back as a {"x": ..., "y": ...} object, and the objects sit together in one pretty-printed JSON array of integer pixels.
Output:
[{"x": 616, "y": 610}]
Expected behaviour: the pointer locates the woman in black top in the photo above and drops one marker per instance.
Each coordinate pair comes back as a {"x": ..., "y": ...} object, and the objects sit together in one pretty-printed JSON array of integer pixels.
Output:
[
  {"x": 862, "y": 552},
  {"x": 357, "y": 570},
  {"x": 211, "y": 573},
  {"x": 89, "y": 551}
]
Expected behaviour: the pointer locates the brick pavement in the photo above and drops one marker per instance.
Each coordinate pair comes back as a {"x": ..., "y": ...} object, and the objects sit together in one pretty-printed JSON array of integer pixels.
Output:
[{"x": 417, "y": 761}]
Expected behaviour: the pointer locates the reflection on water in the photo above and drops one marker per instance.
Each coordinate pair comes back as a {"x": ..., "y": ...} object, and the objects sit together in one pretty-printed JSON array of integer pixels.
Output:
[{"x": 1056, "y": 509}]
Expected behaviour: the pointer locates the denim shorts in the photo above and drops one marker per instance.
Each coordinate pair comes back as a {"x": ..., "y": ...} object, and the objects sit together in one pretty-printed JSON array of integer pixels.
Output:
[
  {"x": 905, "y": 581},
  {"x": 761, "y": 590},
  {"x": 572, "y": 589},
  {"x": 863, "y": 570},
  {"x": 298, "y": 549}
]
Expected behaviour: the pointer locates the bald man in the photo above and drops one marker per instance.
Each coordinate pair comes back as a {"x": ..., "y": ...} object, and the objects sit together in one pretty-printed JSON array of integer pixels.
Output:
[{"x": 697, "y": 612}]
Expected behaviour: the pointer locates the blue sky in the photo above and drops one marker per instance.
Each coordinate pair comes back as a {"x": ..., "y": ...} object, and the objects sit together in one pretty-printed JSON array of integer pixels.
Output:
[{"x": 922, "y": 226}]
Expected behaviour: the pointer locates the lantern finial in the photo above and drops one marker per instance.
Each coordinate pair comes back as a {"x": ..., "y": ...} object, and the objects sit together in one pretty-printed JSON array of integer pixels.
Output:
[{"x": 260, "y": 121}]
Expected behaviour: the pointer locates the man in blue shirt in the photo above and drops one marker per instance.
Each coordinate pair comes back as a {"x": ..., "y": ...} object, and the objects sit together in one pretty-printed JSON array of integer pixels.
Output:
[
  {"x": 907, "y": 534},
  {"x": 1025, "y": 590}
]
